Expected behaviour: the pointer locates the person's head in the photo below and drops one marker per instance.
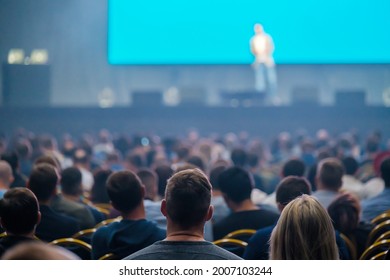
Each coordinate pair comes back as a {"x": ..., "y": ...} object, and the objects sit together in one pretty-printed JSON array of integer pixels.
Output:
[
  {"x": 239, "y": 157},
  {"x": 125, "y": 191},
  {"x": 19, "y": 212},
  {"x": 345, "y": 212},
  {"x": 80, "y": 157},
  {"x": 12, "y": 159},
  {"x": 290, "y": 188},
  {"x": 6, "y": 176},
  {"x": 43, "y": 182},
  {"x": 293, "y": 167},
  {"x": 164, "y": 172},
  {"x": 329, "y": 174},
  {"x": 71, "y": 181},
  {"x": 149, "y": 180},
  {"x": 258, "y": 28},
  {"x": 99, "y": 190},
  {"x": 385, "y": 171},
  {"x": 304, "y": 232},
  {"x": 214, "y": 176},
  {"x": 187, "y": 199},
  {"x": 48, "y": 159},
  {"x": 134, "y": 161},
  {"x": 197, "y": 161},
  {"x": 36, "y": 250},
  {"x": 350, "y": 165},
  {"x": 236, "y": 184}
]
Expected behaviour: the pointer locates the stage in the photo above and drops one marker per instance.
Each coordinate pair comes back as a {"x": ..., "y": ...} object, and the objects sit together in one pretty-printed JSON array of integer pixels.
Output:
[{"x": 261, "y": 121}]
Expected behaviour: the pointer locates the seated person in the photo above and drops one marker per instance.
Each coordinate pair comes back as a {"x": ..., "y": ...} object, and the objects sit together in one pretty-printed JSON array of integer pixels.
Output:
[
  {"x": 236, "y": 186},
  {"x": 133, "y": 232},
  {"x": 69, "y": 201},
  {"x": 19, "y": 216},
  {"x": 43, "y": 183},
  {"x": 304, "y": 232},
  {"x": 187, "y": 208},
  {"x": 345, "y": 212},
  {"x": 38, "y": 251},
  {"x": 288, "y": 189}
]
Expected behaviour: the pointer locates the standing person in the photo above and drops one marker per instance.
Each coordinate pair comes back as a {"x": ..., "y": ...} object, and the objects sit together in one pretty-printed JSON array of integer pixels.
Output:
[{"x": 262, "y": 47}]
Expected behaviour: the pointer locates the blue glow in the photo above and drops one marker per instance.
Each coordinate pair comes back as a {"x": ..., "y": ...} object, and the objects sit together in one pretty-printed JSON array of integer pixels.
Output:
[{"x": 218, "y": 31}]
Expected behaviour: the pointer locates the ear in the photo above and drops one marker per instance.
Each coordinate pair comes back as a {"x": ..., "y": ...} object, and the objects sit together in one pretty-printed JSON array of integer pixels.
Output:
[
  {"x": 210, "y": 213},
  {"x": 39, "y": 218},
  {"x": 164, "y": 207}
]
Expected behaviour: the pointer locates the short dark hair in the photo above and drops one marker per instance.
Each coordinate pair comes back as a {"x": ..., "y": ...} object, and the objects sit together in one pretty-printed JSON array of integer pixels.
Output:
[
  {"x": 345, "y": 211},
  {"x": 330, "y": 173},
  {"x": 12, "y": 159},
  {"x": 351, "y": 165},
  {"x": 236, "y": 183},
  {"x": 385, "y": 171},
  {"x": 293, "y": 167},
  {"x": 197, "y": 161},
  {"x": 19, "y": 211},
  {"x": 125, "y": 190},
  {"x": 214, "y": 176},
  {"x": 239, "y": 157},
  {"x": 43, "y": 181},
  {"x": 71, "y": 179},
  {"x": 188, "y": 196},
  {"x": 290, "y": 188}
]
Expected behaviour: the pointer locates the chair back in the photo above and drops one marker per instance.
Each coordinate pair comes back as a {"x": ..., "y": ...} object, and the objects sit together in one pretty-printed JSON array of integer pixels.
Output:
[
  {"x": 241, "y": 234},
  {"x": 377, "y": 231},
  {"x": 232, "y": 245},
  {"x": 375, "y": 249},
  {"x": 79, "y": 247},
  {"x": 350, "y": 245}
]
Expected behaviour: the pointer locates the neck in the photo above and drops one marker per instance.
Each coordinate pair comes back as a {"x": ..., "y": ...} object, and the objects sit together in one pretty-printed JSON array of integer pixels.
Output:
[
  {"x": 137, "y": 214},
  {"x": 75, "y": 198},
  {"x": 245, "y": 205},
  {"x": 176, "y": 233},
  {"x": 28, "y": 235}
]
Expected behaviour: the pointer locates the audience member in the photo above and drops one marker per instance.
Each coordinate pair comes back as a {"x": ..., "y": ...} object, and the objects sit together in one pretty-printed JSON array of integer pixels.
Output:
[
  {"x": 345, "y": 213},
  {"x": 19, "y": 216},
  {"x": 303, "y": 232},
  {"x": 221, "y": 210},
  {"x": 69, "y": 201},
  {"x": 236, "y": 186},
  {"x": 99, "y": 191},
  {"x": 372, "y": 207},
  {"x": 38, "y": 251},
  {"x": 19, "y": 179},
  {"x": 187, "y": 207},
  {"x": 133, "y": 232},
  {"x": 329, "y": 176},
  {"x": 43, "y": 183},
  {"x": 81, "y": 160},
  {"x": 6, "y": 177},
  {"x": 350, "y": 181}
]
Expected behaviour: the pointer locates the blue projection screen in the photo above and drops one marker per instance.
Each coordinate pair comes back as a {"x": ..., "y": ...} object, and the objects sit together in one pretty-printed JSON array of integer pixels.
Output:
[{"x": 159, "y": 32}]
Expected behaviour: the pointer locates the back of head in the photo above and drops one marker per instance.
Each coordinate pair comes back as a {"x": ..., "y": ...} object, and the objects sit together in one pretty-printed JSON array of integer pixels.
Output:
[
  {"x": 5, "y": 172},
  {"x": 239, "y": 157},
  {"x": 188, "y": 196},
  {"x": 329, "y": 174},
  {"x": 293, "y": 167},
  {"x": 149, "y": 180},
  {"x": 344, "y": 212},
  {"x": 236, "y": 183},
  {"x": 351, "y": 165},
  {"x": 290, "y": 188},
  {"x": 12, "y": 159},
  {"x": 214, "y": 176},
  {"x": 99, "y": 191},
  {"x": 197, "y": 161},
  {"x": 48, "y": 159},
  {"x": 35, "y": 250},
  {"x": 71, "y": 179},
  {"x": 19, "y": 211},
  {"x": 43, "y": 181},
  {"x": 125, "y": 191},
  {"x": 304, "y": 232},
  {"x": 164, "y": 172},
  {"x": 385, "y": 171}
]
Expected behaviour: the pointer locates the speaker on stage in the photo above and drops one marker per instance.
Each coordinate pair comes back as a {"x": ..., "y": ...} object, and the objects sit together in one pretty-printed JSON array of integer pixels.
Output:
[
  {"x": 147, "y": 98},
  {"x": 26, "y": 85},
  {"x": 305, "y": 95},
  {"x": 350, "y": 98}
]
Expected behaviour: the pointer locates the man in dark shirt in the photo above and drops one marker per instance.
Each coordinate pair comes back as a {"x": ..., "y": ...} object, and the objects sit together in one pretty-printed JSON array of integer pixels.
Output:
[{"x": 236, "y": 186}]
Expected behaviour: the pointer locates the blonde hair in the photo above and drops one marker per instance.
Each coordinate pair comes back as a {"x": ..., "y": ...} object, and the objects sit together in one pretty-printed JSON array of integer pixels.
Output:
[{"x": 304, "y": 232}]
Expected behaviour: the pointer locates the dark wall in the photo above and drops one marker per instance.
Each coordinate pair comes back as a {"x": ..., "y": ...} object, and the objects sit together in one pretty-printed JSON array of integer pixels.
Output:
[{"x": 75, "y": 34}]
